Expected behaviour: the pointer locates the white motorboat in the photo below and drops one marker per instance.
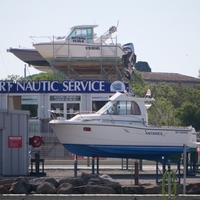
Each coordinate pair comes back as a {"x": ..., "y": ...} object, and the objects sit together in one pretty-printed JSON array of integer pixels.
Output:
[
  {"x": 82, "y": 48},
  {"x": 120, "y": 129}
]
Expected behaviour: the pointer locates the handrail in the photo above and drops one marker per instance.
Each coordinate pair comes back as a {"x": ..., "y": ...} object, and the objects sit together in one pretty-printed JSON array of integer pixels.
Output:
[{"x": 112, "y": 120}]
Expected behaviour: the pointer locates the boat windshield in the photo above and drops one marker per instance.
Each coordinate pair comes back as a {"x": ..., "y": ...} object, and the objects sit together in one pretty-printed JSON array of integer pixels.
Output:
[
  {"x": 108, "y": 108},
  {"x": 120, "y": 108},
  {"x": 81, "y": 33}
]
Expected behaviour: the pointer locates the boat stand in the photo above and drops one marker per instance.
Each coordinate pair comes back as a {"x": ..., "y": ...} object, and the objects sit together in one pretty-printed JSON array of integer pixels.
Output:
[
  {"x": 93, "y": 165},
  {"x": 164, "y": 164},
  {"x": 37, "y": 171},
  {"x": 75, "y": 166}
]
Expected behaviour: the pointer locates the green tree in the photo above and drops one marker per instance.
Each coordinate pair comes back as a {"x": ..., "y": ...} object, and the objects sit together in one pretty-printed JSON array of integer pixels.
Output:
[
  {"x": 170, "y": 97},
  {"x": 142, "y": 66},
  {"x": 46, "y": 77},
  {"x": 188, "y": 114},
  {"x": 161, "y": 112},
  {"x": 13, "y": 78},
  {"x": 138, "y": 84}
]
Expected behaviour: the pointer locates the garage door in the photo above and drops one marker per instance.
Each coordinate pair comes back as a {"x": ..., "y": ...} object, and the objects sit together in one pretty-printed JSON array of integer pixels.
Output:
[{"x": 1, "y": 152}]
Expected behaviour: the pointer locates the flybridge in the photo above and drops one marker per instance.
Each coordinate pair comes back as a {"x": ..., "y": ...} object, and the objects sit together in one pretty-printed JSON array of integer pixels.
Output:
[{"x": 65, "y": 86}]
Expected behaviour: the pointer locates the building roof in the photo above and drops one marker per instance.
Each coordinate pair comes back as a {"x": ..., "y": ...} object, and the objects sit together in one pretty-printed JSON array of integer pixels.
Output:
[{"x": 168, "y": 77}]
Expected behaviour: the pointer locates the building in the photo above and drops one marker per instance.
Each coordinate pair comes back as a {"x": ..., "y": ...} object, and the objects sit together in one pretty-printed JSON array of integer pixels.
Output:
[
  {"x": 50, "y": 99},
  {"x": 160, "y": 77}
]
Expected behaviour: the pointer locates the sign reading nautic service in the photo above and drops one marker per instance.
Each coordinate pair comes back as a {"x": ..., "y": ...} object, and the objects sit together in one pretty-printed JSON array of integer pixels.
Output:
[{"x": 65, "y": 86}]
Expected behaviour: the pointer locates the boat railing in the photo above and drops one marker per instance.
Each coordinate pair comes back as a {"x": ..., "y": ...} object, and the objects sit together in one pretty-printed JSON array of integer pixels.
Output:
[
  {"x": 58, "y": 115},
  {"x": 48, "y": 38},
  {"x": 112, "y": 119}
]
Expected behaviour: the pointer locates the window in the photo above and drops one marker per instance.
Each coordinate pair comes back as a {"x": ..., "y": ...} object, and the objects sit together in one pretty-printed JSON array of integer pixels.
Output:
[
  {"x": 65, "y": 106},
  {"x": 72, "y": 109},
  {"x": 30, "y": 103},
  {"x": 128, "y": 108},
  {"x": 58, "y": 109},
  {"x": 81, "y": 33},
  {"x": 89, "y": 33},
  {"x": 97, "y": 105},
  {"x": 86, "y": 33},
  {"x": 121, "y": 108},
  {"x": 135, "y": 110}
]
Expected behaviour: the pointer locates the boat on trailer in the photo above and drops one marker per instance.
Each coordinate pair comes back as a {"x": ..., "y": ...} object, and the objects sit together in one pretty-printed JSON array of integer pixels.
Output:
[
  {"x": 81, "y": 47},
  {"x": 120, "y": 130}
]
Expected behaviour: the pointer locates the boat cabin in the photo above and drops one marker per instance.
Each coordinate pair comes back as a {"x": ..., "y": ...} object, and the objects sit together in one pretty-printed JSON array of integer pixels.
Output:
[
  {"x": 82, "y": 33},
  {"x": 124, "y": 105}
]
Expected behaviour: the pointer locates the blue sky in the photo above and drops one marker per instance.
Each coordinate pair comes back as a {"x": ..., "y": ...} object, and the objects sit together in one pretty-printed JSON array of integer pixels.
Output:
[{"x": 165, "y": 33}]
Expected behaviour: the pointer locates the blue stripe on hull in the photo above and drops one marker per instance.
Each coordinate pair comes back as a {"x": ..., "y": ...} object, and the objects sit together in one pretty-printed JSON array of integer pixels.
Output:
[{"x": 137, "y": 152}]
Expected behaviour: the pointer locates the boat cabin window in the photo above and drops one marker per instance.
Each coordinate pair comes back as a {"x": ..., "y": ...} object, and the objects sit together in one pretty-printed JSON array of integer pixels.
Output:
[
  {"x": 135, "y": 109},
  {"x": 128, "y": 108},
  {"x": 81, "y": 32},
  {"x": 107, "y": 108},
  {"x": 121, "y": 108}
]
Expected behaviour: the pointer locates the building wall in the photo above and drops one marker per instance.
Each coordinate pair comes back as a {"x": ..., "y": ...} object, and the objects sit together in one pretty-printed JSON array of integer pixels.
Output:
[{"x": 14, "y": 126}]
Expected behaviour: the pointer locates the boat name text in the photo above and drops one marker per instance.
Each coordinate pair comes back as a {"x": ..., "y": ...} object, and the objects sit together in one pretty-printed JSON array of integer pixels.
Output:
[
  {"x": 154, "y": 133},
  {"x": 78, "y": 39}
]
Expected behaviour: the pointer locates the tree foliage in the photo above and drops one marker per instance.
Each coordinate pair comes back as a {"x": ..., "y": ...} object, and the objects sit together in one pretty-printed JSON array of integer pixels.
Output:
[
  {"x": 46, "y": 77},
  {"x": 43, "y": 76},
  {"x": 142, "y": 66},
  {"x": 13, "y": 78},
  {"x": 161, "y": 112},
  {"x": 188, "y": 114},
  {"x": 138, "y": 84},
  {"x": 175, "y": 104}
]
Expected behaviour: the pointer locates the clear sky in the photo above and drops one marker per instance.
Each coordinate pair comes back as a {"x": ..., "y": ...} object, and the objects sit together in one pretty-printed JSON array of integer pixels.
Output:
[{"x": 165, "y": 33}]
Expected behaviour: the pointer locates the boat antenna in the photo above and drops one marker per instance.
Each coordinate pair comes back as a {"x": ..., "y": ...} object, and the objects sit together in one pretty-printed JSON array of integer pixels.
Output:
[{"x": 117, "y": 23}]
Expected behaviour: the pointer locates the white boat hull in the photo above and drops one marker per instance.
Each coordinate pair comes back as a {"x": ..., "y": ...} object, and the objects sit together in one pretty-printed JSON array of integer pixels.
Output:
[
  {"x": 78, "y": 52},
  {"x": 113, "y": 134},
  {"x": 112, "y": 140}
]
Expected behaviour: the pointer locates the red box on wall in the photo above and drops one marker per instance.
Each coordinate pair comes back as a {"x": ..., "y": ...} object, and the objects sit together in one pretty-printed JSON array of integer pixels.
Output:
[{"x": 15, "y": 141}]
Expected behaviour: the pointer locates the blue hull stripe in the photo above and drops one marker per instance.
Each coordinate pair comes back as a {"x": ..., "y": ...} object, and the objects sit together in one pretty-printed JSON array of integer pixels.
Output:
[{"x": 137, "y": 152}]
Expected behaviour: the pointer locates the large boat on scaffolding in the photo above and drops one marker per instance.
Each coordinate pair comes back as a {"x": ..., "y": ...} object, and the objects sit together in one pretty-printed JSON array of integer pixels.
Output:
[
  {"x": 120, "y": 130},
  {"x": 82, "y": 48}
]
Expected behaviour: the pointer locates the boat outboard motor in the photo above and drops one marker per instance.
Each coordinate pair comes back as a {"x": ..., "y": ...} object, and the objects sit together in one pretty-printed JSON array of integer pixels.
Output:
[
  {"x": 128, "y": 47},
  {"x": 129, "y": 59}
]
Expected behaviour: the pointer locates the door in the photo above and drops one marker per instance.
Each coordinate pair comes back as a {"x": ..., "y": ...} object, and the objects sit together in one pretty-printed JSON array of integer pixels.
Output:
[{"x": 65, "y": 110}]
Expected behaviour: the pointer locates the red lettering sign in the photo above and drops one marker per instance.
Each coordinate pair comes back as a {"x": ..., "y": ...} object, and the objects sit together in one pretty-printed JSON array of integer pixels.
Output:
[{"x": 15, "y": 141}]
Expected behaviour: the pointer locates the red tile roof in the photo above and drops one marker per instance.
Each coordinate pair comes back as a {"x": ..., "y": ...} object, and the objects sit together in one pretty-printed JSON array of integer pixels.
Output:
[{"x": 168, "y": 77}]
